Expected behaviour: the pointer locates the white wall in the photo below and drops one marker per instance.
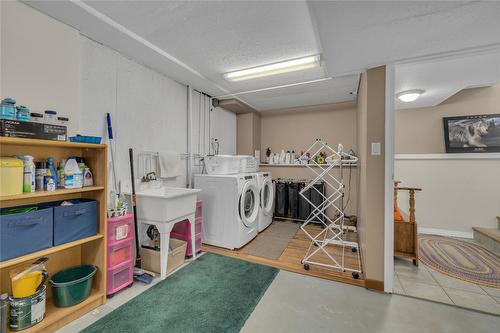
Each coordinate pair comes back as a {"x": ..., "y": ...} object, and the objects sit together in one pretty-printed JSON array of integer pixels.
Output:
[
  {"x": 148, "y": 110},
  {"x": 40, "y": 61},
  {"x": 457, "y": 194},
  {"x": 46, "y": 64},
  {"x": 224, "y": 129}
]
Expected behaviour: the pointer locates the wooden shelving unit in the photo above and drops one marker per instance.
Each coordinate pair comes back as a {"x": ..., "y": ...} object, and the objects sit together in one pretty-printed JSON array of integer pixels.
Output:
[{"x": 90, "y": 250}]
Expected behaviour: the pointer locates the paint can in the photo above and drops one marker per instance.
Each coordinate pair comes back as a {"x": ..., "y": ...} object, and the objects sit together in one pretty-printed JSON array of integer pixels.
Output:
[{"x": 27, "y": 311}]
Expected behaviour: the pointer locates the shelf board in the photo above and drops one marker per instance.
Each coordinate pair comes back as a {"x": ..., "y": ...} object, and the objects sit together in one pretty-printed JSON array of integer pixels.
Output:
[
  {"x": 53, "y": 314},
  {"x": 305, "y": 166},
  {"x": 50, "y": 250},
  {"x": 48, "y": 143},
  {"x": 45, "y": 194}
]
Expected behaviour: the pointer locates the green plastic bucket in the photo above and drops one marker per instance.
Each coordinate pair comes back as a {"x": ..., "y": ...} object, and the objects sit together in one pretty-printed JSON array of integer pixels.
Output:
[
  {"x": 72, "y": 285},
  {"x": 27, "y": 311}
]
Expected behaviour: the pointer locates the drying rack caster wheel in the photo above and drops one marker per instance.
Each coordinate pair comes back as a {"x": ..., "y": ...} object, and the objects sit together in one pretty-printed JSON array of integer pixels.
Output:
[
  {"x": 354, "y": 249},
  {"x": 306, "y": 267},
  {"x": 355, "y": 275}
]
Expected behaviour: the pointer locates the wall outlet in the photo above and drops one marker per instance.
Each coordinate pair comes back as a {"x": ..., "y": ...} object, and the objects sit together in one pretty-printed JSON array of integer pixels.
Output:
[{"x": 376, "y": 148}]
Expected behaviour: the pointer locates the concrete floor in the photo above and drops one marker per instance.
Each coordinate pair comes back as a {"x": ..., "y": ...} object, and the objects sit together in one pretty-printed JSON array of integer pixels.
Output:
[{"x": 299, "y": 303}]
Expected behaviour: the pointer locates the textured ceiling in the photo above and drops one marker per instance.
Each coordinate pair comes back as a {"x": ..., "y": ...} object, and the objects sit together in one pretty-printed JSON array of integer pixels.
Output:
[
  {"x": 356, "y": 35},
  {"x": 196, "y": 42},
  {"x": 217, "y": 37},
  {"x": 442, "y": 78}
]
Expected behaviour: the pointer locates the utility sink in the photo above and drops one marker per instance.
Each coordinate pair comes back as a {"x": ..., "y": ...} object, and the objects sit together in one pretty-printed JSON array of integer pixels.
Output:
[{"x": 165, "y": 204}]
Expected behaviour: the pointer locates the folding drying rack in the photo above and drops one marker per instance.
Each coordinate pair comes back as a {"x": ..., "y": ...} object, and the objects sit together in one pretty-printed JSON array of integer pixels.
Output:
[{"x": 334, "y": 232}]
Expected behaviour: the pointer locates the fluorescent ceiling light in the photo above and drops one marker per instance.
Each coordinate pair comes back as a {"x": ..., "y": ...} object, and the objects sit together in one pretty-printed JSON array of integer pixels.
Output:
[
  {"x": 409, "y": 95},
  {"x": 273, "y": 69}
]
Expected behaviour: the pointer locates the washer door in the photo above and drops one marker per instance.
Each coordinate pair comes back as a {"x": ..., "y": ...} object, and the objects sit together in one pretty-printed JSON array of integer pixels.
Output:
[
  {"x": 267, "y": 197},
  {"x": 249, "y": 204}
]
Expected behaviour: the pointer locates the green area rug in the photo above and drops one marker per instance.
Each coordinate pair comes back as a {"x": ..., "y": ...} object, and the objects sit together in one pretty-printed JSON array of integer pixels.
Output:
[{"x": 212, "y": 294}]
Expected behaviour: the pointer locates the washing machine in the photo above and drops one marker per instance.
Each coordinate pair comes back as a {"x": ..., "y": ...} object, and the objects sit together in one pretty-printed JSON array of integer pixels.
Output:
[
  {"x": 230, "y": 209},
  {"x": 266, "y": 199}
]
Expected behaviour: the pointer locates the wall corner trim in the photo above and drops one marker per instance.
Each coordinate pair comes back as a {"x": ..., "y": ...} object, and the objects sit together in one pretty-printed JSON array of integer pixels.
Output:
[{"x": 374, "y": 284}]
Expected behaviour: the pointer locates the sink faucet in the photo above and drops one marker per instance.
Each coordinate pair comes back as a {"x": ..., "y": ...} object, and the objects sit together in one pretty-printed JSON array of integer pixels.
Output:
[{"x": 149, "y": 177}]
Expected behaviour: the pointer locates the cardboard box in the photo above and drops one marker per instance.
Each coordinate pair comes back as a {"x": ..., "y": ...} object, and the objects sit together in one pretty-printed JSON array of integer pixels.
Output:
[
  {"x": 151, "y": 258},
  {"x": 30, "y": 130}
]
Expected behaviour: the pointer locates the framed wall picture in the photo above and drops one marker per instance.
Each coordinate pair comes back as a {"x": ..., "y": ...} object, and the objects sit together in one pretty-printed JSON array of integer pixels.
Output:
[{"x": 472, "y": 134}]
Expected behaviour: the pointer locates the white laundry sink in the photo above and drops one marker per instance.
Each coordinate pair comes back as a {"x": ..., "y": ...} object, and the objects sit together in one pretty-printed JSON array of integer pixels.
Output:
[{"x": 165, "y": 204}]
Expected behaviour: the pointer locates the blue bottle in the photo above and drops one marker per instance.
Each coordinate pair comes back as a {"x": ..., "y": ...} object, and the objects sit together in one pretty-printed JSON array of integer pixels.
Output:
[{"x": 50, "y": 166}]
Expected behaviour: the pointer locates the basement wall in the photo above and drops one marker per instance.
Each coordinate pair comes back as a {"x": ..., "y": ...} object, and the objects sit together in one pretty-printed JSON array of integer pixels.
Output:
[
  {"x": 48, "y": 65},
  {"x": 371, "y": 221}
]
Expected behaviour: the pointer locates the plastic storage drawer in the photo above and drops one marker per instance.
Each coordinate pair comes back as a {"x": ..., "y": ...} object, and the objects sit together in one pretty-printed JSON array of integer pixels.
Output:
[
  {"x": 199, "y": 208},
  {"x": 119, "y": 253},
  {"x": 75, "y": 221},
  {"x": 24, "y": 233},
  {"x": 187, "y": 238},
  {"x": 197, "y": 246},
  {"x": 183, "y": 227},
  {"x": 120, "y": 228},
  {"x": 119, "y": 277}
]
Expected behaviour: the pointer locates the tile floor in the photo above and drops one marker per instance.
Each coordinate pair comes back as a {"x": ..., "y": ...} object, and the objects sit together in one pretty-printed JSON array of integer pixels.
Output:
[{"x": 426, "y": 283}]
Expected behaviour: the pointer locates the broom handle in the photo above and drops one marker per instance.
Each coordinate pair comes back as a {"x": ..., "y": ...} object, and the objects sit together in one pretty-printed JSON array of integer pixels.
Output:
[{"x": 134, "y": 208}]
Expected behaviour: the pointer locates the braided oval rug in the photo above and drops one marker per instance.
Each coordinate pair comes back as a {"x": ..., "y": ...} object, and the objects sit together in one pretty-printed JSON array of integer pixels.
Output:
[{"x": 460, "y": 259}]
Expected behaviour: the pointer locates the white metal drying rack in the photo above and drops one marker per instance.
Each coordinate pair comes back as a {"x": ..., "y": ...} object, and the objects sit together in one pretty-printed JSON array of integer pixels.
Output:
[{"x": 334, "y": 232}]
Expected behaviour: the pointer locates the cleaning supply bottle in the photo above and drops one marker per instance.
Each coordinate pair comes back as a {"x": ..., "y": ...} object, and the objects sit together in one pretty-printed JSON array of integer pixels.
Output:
[
  {"x": 52, "y": 168},
  {"x": 50, "y": 184},
  {"x": 29, "y": 184},
  {"x": 88, "y": 179},
  {"x": 72, "y": 174},
  {"x": 60, "y": 174},
  {"x": 40, "y": 173}
]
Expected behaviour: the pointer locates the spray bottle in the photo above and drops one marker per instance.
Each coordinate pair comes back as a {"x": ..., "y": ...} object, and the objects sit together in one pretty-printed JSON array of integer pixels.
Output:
[{"x": 29, "y": 174}]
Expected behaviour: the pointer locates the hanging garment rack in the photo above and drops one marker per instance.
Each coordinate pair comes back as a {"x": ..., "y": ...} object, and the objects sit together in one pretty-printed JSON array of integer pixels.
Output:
[{"x": 334, "y": 232}]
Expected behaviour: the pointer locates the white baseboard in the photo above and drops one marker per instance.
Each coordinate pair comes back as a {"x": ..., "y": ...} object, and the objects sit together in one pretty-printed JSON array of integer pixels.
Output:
[{"x": 444, "y": 232}]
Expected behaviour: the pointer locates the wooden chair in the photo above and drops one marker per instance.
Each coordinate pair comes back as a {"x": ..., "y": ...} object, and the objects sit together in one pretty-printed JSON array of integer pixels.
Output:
[{"x": 405, "y": 227}]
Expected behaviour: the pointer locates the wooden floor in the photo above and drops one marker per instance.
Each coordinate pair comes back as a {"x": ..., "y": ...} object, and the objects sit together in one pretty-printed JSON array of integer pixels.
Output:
[{"x": 291, "y": 258}]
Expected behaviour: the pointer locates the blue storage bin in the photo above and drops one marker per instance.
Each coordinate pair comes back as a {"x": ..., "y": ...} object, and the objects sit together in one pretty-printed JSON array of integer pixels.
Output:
[
  {"x": 24, "y": 233},
  {"x": 74, "y": 222}
]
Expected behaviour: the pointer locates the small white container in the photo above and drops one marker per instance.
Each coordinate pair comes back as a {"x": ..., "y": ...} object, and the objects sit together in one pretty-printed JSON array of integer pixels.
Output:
[
  {"x": 36, "y": 117},
  {"x": 50, "y": 117}
]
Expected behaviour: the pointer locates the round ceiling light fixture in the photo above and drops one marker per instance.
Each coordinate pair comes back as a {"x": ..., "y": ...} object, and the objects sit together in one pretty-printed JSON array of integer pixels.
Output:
[{"x": 409, "y": 95}]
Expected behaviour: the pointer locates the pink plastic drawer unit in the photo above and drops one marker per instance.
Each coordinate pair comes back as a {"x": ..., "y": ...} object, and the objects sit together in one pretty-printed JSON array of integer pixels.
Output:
[
  {"x": 187, "y": 238},
  {"x": 183, "y": 227},
  {"x": 120, "y": 252},
  {"x": 197, "y": 246},
  {"x": 199, "y": 208},
  {"x": 119, "y": 277},
  {"x": 120, "y": 228}
]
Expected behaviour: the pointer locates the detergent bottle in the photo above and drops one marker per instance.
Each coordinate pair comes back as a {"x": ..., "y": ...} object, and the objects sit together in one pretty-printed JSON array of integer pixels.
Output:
[{"x": 73, "y": 177}]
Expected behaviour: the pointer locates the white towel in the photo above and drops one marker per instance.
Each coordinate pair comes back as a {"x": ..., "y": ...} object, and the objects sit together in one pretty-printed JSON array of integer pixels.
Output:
[{"x": 170, "y": 163}]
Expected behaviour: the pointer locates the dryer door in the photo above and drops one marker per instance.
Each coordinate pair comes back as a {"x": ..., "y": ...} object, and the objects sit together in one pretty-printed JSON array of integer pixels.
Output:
[
  {"x": 267, "y": 196},
  {"x": 249, "y": 204}
]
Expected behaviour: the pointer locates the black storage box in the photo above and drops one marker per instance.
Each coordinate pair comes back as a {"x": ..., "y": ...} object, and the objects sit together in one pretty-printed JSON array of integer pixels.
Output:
[
  {"x": 281, "y": 205},
  {"x": 293, "y": 200},
  {"x": 31, "y": 130},
  {"x": 317, "y": 198},
  {"x": 304, "y": 206}
]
